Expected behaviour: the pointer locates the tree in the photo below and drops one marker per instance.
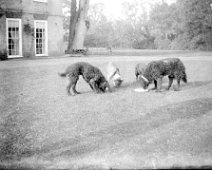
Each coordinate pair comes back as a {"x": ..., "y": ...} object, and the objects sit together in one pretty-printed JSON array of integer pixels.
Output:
[
  {"x": 163, "y": 21},
  {"x": 78, "y": 25},
  {"x": 196, "y": 23},
  {"x": 193, "y": 25},
  {"x": 186, "y": 23},
  {"x": 100, "y": 33},
  {"x": 2, "y": 8},
  {"x": 137, "y": 27}
]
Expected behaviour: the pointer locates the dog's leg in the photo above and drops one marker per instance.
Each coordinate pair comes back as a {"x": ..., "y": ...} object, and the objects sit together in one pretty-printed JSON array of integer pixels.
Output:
[
  {"x": 88, "y": 81},
  {"x": 72, "y": 85},
  {"x": 159, "y": 84},
  {"x": 90, "y": 86},
  {"x": 68, "y": 88},
  {"x": 73, "y": 88},
  {"x": 155, "y": 84},
  {"x": 171, "y": 78},
  {"x": 178, "y": 85},
  {"x": 93, "y": 86},
  {"x": 136, "y": 75},
  {"x": 76, "y": 91}
]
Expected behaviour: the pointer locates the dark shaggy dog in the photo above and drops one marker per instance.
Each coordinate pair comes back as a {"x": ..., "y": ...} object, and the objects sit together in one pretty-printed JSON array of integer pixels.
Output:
[
  {"x": 92, "y": 75},
  {"x": 156, "y": 70}
]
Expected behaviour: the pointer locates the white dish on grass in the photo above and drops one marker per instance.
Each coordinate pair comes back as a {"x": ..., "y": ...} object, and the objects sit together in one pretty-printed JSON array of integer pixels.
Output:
[{"x": 141, "y": 90}]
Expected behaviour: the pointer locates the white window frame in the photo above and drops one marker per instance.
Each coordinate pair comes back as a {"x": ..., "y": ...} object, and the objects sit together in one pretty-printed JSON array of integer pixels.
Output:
[
  {"x": 46, "y": 37},
  {"x": 45, "y": 1},
  {"x": 20, "y": 37}
]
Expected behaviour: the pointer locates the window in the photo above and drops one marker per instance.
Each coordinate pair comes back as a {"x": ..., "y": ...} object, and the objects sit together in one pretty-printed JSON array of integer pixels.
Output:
[
  {"x": 41, "y": 0},
  {"x": 14, "y": 38},
  {"x": 41, "y": 38}
]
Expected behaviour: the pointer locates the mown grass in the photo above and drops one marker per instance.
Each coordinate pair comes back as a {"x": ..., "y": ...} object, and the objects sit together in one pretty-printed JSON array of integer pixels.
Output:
[{"x": 41, "y": 126}]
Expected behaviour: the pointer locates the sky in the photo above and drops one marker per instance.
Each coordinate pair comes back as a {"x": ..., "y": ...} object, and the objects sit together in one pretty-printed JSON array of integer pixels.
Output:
[{"x": 112, "y": 7}]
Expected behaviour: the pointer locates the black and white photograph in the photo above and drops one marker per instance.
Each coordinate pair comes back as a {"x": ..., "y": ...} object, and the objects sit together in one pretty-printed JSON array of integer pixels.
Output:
[{"x": 105, "y": 84}]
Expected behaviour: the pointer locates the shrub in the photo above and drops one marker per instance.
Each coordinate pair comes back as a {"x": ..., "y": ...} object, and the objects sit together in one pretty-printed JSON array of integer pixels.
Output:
[
  {"x": 3, "y": 55},
  {"x": 180, "y": 43},
  {"x": 163, "y": 44},
  {"x": 144, "y": 44}
]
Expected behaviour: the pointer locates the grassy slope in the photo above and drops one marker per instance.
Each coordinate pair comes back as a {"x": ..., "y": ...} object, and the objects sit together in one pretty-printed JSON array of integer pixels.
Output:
[{"x": 121, "y": 129}]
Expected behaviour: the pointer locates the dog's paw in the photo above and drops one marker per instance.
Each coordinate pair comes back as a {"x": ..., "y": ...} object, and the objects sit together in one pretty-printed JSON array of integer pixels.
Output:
[
  {"x": 153, "y": 89},
  {"x": 160, "y": 90},
  {"x": 72, "y": 94},
  {"x": 97, "y": 92}
]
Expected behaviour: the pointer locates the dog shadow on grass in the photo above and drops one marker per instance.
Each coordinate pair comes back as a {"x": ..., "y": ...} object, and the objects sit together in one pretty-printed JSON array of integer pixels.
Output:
[
  {"x": 127, "y": 85},
  {"x": 94, "y": 141},
  {"x": 195, "y": 84},
  {"x": 189, "y": 85}
]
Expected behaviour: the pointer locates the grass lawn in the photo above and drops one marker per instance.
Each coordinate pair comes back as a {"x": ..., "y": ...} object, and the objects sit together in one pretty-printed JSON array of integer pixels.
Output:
[{"x": 42, "y": 127}]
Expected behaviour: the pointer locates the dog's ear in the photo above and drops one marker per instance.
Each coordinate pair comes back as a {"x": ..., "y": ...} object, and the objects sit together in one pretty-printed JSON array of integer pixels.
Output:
[
  {"x": 118, "y": 82},
  {"x": 142, "y": 82},
  {"x": 143, "y": 78},
  {"x": 121, "y": 80}
]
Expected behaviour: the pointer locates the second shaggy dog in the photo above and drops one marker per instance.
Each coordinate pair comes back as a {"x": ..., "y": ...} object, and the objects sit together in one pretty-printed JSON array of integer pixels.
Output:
[
  {"x": 92, "y": 75},
  {"x": 139, "y": 69},
  {"x": 171, "y": 67}
]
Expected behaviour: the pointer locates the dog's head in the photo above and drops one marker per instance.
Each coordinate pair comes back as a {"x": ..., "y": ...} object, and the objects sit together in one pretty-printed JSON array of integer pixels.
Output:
[
  {"x": 104, "y": 85},
  {"x": 117, "y": 81},
  {"x": 143, "y": 81}
]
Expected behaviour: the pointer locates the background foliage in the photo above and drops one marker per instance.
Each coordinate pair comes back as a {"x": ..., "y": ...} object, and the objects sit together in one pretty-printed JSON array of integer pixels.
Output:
[{"x": 185, "y": 24}]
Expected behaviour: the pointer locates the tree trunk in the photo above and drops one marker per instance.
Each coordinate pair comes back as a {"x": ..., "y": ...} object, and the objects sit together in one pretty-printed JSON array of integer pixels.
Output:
[
  {"x": 81, "y": 28},
  {"x": 72, "y": 25}
]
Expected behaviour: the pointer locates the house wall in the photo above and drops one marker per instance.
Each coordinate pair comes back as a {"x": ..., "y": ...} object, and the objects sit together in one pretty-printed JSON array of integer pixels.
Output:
[
  {"x": 55, "y": 35},
  {"x": 27, "y": 35},
  {"x": 14, "y": 5},
  {"x": 28, "y": 11},
  {"x": 55, "y": 7},
  {"x": 55, "y": 28}
]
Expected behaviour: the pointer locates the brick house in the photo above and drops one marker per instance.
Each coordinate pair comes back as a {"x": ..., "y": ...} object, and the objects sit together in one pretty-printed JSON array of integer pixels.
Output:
[{"x": 31, "y": 28}]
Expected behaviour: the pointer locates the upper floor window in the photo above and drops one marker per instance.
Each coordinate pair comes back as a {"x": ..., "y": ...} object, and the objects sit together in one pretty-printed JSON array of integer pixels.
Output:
[{"x": 41, "y": 0}]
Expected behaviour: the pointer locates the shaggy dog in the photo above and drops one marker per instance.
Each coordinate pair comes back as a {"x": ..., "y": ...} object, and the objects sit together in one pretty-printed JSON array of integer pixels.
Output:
[
  {"x": 113, "y": 74},
  {"x": 156, "y": 70},
  {"x": 92, "y": 75}
]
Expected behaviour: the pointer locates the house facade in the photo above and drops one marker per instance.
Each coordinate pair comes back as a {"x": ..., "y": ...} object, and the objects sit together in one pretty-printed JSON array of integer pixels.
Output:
[{"x": 30, "y": 28}]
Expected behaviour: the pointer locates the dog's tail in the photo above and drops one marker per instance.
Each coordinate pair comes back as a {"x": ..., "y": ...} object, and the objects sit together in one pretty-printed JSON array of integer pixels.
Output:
[
  {"x": 185, "y": 80},
  {"x": 62, "y": 74}
]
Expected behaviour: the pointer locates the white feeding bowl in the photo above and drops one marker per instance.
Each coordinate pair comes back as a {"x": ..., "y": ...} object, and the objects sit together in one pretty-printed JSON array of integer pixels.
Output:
[{"x": 141, "y": 90}]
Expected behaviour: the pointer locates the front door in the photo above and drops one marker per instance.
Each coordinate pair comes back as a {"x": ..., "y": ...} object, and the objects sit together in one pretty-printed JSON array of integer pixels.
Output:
[
  {"x": 41, "y": 40},
  {"x": 14, "y": 38}
]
